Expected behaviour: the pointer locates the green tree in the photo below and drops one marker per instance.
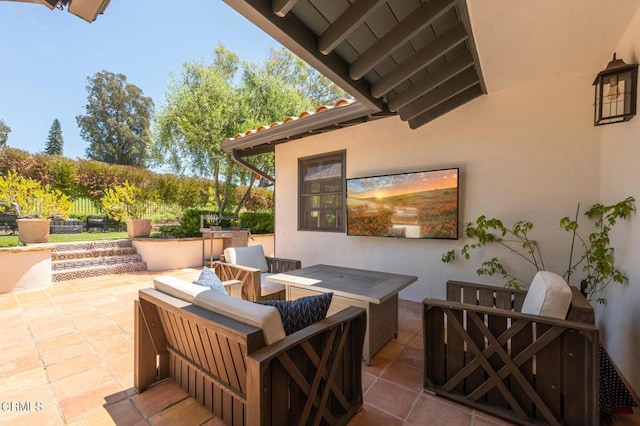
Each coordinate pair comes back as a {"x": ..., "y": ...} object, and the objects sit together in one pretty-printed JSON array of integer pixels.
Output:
[
  {"x": 117, "y": 121},
  {"x": 4, "y": 133},
  {"x": 293, "y": 71},
  {"x": 210, "y": 102},
  {"x": 54, "y": 141}
]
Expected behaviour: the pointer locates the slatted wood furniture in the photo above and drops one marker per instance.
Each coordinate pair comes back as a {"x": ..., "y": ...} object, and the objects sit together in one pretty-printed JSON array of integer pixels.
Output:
[
  {"x": 313, "y": 376},
  {"x": 481, "y": 351},
  {"x": 375, "y": 291},
  {"x": 254, "y": 285}
]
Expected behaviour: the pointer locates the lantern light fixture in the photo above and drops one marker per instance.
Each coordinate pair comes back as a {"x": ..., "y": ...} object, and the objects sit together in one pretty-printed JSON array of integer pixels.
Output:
[{"x": 616, "y": 91}]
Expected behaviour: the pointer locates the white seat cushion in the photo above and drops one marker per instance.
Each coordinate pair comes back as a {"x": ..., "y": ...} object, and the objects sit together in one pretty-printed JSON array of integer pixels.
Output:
[
  {"x": 252, "y": 256},
  {"x": 549, "y": 296},
  {"x": 178, "y": 288},
  {"x": 267, "y": 287},
  {"x": 267, "y": 318}
]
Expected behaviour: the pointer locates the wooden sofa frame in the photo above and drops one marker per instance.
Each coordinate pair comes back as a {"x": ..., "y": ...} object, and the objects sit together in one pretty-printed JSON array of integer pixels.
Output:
[
  {"x": 313, "y": 376},
  {"x": 251, "y": 277},
  {"x": 482, "y": 352}
]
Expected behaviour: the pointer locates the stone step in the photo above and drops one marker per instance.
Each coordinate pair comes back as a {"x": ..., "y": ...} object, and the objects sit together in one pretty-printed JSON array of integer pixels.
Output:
[
  {"x": 91, "y": 245},
  {"x": 91, "y": 262},
  {"x": 98, "y": 271},
  {"x": 92, "y": 253}
]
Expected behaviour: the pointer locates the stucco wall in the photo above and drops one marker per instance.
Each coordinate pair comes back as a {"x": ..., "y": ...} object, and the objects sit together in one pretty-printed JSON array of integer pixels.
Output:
[
  {"x": 620, "y": 177},
  {"x": 526, "y": 153}
]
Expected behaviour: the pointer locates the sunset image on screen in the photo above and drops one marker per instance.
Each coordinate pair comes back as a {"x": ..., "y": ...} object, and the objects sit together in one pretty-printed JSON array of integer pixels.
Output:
[{"x": 407, "y": 205}]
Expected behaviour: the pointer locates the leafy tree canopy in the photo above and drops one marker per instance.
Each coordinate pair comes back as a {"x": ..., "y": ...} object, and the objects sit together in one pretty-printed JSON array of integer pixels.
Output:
[
  {"x": 54, "y": 145},
  {"x": 117, "y": 120},
  {"x": 208, "y": 103},
  {"x": 4, "y": 133}
]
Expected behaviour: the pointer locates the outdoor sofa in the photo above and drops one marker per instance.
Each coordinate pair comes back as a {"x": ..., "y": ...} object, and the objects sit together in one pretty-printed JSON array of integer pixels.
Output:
[{"x": 234, "y": 358}]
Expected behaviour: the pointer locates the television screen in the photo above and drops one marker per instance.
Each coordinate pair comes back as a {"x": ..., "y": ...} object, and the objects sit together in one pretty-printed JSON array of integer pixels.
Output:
[{"x": 404, "y": 205}]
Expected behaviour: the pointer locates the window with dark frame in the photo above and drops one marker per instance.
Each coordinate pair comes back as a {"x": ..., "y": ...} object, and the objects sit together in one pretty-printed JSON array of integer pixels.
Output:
[{"x": 321, "y": 192}]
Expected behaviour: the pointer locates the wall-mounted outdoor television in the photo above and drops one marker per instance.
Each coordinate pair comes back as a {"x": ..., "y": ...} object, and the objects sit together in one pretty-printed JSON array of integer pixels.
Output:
[{"x": 404, "y": 205}]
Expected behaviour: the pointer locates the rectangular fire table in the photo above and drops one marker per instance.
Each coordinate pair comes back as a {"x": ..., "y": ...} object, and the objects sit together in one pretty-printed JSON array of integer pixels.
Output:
[{"x": 377, "y": 292}]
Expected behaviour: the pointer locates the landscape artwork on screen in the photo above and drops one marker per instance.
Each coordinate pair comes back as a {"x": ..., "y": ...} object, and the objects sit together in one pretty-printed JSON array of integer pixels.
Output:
[{"x": 404, "y": 205}]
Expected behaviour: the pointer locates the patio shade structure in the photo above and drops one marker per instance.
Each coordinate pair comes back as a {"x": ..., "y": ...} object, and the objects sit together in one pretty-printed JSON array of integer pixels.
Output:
[
  {"x": 85, "y": 9},
  {"x": 413, "y": 58}
]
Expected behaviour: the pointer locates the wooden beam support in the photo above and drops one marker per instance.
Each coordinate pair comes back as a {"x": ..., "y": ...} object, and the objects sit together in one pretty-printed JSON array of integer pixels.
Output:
[
  {"x": 445, "y": 107},
  {"x": 422, "y": 17},
  {"x": 282, "y": 7},
  {"x": 346, "y": 23},
  {"x": 446, "y": 91},
  {"x": 430, "y": 82},
  {"x": 293, "y": 35},
  {"x": 422, "y": 58}
]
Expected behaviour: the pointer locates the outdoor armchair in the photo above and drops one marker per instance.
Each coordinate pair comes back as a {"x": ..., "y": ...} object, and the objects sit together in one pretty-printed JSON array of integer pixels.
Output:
[
  {"x": 250, "y": 266},
  {"x": 482, "y": 351}
]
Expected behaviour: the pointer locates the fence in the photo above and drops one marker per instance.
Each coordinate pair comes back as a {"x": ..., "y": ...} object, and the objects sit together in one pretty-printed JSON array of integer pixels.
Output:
[{"x": 84, "y": 207}]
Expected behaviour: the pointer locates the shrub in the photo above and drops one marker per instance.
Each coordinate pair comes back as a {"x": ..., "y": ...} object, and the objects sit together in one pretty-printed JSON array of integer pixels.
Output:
[{"x": 258, "y": 223}]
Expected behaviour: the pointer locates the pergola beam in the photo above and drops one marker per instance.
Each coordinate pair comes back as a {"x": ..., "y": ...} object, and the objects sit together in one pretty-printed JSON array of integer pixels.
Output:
[
  {"x": 428, "y": 54},
  {"x": 346, "y": 23},
  {"x": 299, "y": 39},
  {"x": 430, "y": 82},
  {"x": 419, "y": 19},
  {"x": 282, "y": 7},
  {"x": 446, "y": 106},
  {"x": 446, "y": 91}
]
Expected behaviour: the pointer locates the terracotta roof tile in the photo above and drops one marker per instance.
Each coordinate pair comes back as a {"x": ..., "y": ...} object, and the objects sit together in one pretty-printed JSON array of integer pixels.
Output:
[{"x": 302, "y": 115}]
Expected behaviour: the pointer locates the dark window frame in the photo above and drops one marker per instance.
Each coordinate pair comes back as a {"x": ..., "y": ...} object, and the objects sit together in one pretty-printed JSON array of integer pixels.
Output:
[{"x": 341, "y": 212}]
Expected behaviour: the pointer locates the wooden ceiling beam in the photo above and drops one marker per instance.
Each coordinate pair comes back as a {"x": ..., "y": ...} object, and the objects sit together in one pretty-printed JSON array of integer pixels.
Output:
[
  {"x": 419, "y": 19},
  {"x": 446, "y": 91},
  {"x": 422, "y": 58},
  {"x": 302, "y": 42},
  {"x": 346, "y": 23},
  {"x": 431, "y": 81},
  {"x": 282, "y": 7},
  {"x": 448, "y": 105}
]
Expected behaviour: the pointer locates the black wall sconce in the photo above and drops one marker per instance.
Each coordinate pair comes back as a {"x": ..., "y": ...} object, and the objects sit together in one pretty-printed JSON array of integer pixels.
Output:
[{"x": 616, "y": 93}]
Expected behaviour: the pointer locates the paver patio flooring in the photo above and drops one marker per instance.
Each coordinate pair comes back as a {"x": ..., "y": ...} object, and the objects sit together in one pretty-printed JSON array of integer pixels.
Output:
[{"x": 66, "y": 357}]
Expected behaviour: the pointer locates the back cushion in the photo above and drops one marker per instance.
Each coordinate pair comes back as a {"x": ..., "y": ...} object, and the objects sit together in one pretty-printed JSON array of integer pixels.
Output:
[
  {"x": 252, "y": 256},
  {"x": 549, "y": 296},
  {"x": 178, "y": 288},
  {"x": 267, "y": 318},
  {"x": 300, "y": 313}
]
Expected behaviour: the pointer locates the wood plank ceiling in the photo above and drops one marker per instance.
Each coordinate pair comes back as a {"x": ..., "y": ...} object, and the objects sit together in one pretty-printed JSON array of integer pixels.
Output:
[{"x": 415, "y": 58}]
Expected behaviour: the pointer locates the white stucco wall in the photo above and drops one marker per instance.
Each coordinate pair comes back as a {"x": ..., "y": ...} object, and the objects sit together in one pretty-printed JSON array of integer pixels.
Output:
[
  {"x": 620, "y": 177},
  {"x": 527, "y": 153}
]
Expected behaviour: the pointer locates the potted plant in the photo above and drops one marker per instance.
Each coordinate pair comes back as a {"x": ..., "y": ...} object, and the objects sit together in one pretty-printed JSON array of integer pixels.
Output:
[
  {"x": 125, "y": 201},
  {"x": 35, "y": 205},
  {"x": 596, "y": 260}
]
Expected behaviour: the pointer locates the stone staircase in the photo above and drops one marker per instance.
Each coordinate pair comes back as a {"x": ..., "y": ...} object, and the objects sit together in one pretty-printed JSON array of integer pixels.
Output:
[{"x": 93, "y": 258}]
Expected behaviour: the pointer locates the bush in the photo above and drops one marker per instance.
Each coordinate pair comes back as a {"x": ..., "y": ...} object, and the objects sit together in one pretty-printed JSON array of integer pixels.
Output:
[{"x": 258, "y": 223}]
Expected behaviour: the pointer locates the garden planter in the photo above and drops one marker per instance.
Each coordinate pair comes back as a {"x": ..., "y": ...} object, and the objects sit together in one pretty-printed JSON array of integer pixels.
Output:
[
  {"x": 138, "y": 228},
  {"x": 31, "y": 231}
]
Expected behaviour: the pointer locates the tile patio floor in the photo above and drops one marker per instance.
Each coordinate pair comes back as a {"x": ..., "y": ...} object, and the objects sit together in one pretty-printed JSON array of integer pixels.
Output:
[{"x": 66, "y": 357}]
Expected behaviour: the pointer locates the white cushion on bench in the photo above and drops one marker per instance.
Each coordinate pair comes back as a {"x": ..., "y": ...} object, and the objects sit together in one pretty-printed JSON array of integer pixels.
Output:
[
  {"x": 178, "y": 288},
  {"x": 267, "y": 318},
  {"x": 548, "y": 296}
]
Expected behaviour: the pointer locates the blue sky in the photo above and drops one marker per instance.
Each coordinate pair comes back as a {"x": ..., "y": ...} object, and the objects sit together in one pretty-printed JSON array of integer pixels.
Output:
[{"x": 46, "y": 57}]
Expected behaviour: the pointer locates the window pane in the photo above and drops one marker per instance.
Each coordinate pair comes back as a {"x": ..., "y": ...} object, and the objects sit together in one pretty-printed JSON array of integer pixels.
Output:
[{"x": 322, "y": 192}]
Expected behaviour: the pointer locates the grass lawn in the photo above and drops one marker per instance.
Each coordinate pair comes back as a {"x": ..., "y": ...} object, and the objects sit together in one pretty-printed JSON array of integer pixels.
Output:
[{"x": 12, "y": 240}]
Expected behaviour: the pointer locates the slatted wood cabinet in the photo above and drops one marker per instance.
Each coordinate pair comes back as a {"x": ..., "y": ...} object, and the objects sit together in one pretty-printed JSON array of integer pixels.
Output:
[
  {"x": 313, "y": 376},
  {"x": 481, "y": 351}
]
